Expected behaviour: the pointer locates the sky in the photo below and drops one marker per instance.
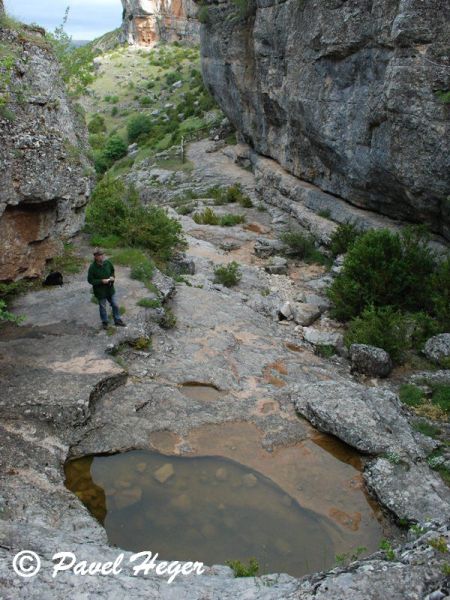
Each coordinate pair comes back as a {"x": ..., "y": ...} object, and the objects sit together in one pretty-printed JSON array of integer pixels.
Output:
[{"x": 88, "y": 19}]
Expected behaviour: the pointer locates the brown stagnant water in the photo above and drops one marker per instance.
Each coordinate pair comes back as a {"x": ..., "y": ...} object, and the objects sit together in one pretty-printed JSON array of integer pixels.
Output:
[{"x": 208, "y": 509}]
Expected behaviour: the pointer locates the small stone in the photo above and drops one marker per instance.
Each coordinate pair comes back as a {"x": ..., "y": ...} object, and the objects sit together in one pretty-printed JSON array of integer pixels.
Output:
[
  {"x": 221, "y": 474},
  {"x": 126, "y": 498},
  {"x": 140, "y": 467},
  {"x": 181, "y": 502},
  {"x": 164, "y": 473},
  {"x": 249, "y": 480}
]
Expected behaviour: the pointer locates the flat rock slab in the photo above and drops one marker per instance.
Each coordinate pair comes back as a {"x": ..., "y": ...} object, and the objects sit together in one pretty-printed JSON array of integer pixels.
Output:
[{"x": 369, "y": 419}]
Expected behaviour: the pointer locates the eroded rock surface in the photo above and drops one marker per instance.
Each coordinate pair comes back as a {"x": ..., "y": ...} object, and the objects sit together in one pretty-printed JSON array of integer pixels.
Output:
[
  {"x": 343, "y": 95},
  {"x": 45, "y": 179},
  {"x": 74, "y": 390}
]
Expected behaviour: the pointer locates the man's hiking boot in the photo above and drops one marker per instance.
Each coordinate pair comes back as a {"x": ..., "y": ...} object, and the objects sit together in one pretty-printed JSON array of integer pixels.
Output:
[
  {"x": 105, "y": 325},
  {"x": 119, "y": 323}
]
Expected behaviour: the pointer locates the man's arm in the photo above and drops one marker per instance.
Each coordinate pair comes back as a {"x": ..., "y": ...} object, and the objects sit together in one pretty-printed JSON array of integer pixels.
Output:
[{"x": 91, "y": 279}]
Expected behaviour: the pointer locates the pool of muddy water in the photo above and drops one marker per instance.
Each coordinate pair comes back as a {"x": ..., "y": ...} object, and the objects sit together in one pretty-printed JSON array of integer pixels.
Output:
[{"x": 209, "y": 509}]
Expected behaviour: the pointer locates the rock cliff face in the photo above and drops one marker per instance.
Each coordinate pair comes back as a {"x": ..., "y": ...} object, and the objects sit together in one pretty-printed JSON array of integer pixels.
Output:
[
  {"x": 45, "y": 177},
  {"x": 347, "y": 95},
  {"x": 147, "y": 21}
]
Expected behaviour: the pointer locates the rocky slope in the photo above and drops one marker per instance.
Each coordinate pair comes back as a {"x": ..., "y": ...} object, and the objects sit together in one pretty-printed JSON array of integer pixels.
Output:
[
  {"x": 45, "y": 179},
  {"x": 66, "y": 397},
  {"x": 147, "y": 21},
  {"x": 349, "y": 96}
]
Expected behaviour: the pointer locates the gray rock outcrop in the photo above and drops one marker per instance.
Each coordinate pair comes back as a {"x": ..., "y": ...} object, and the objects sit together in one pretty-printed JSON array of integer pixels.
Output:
[
  {"x": 349, "y": 96},
  {"x": 45, "y": 179},
  {"x": 147, "y": 21},
  {"x": 370, "y": 360},
  {"x": 437, "y": 348}
]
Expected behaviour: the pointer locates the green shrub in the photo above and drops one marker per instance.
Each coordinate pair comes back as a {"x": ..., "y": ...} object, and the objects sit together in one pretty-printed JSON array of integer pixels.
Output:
[
  {"x": 229, "y": 220},
  {"x": 206, "y": 217},
  {"x": 137, "y": 126},
  {"x": 5, "y": 315},
  {"x": 145, "y": 101},
  {"x": 169, "y": 319},
  {"x": 114, "y": 111},
  {"x": 384, "y": 327},
  {"x": 325, "y": 213},
  {"x": 242, "y": 570},
  {"x": 105, "y": 241},
  {"x": 115, "y": 148},
  {"x": 203, "y": 14},
  {"x": 115, "y": 210},
  {"x": 411, "y": 395},
  {"x": 97, "y": 124},
  {"x": 302, "y": 246},
  {"x": 384, "y": 269},
  {"x": 440, "y": 297},
  {"x": 343, "y": 238},
  {"x": 228, "y": 275}
]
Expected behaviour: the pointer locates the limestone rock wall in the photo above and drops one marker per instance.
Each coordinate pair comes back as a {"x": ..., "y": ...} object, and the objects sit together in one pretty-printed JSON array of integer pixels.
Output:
[
  {"x": 147, "y": 21},
  {"x": 45, "y": 177},
  {"x": 348, "y": 95}
]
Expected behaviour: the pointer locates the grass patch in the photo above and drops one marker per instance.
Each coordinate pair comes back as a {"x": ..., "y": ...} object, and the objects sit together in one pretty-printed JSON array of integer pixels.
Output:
[
  {"x": 325, "y": 350},
  {"x": 411, "y": 395},
  {"x": 426, "y": 428},
  {"x": 106, "y": 241},
  {"x": 149, "y": 303},
  {"x": 240, "y": 569}
]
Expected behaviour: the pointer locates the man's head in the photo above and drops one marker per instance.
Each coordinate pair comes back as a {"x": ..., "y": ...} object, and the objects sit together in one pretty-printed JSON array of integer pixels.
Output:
[{"x": 99, "y": 256}]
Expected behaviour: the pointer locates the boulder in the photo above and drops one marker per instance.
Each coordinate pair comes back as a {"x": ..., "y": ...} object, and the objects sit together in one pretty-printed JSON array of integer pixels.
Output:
[
  {"x": 278, "y": 266},
  {"x": 370, "y": 360},
  {"x": 305, "y": 314},
  {"x": 323, "y": 338},
  {"x": 437, "y": 348}
]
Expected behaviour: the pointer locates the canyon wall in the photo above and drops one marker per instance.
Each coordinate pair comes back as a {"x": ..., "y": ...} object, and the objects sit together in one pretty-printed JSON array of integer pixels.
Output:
[
  {"x": 45, "y": 177},
  {"x": 147, "y": 21},
  {"x": 350, "y": 95}
]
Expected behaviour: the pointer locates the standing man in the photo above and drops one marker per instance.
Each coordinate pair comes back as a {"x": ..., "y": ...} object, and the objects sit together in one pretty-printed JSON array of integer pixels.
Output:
[{"x": 101, "y": 277}]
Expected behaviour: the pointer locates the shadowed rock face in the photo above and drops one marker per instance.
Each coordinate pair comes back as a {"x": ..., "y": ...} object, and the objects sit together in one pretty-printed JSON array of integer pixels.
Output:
[
  {"x": 345, "y": 95},
  {"x": 45, "y": 178},
  {"x": 147, "y": 21}
]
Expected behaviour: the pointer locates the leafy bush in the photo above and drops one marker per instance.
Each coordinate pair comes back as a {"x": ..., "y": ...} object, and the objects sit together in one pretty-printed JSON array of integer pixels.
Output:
[
  {"x": 384, "y": 269},
  {"x": 441, "y": 294},
  {"x": 228, "y": 275},
  {"x": 97, "y": 124},
  {"x": 5, "y": 315},
  {"x": 343, "y": 238},
  {"x": 115, "y": 210},
  {"x": 229, "y": 220},
  {"x": 115, "y": 148},
  {"x": 145, "y": 101},
  {"x": 137, "y": 126},
  {"x": 384, "y": 327},
  {"x": 207, "y": 217},
  {"x": 142, "y": 271},
  {"x": 302, "y": 246},
  {"x": 203, "y": 14},
  {"x": 242, "y": 570}
]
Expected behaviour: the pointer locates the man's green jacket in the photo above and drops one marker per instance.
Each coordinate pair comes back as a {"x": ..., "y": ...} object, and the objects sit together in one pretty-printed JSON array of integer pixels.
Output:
[{"x": 95, "y": 275}]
